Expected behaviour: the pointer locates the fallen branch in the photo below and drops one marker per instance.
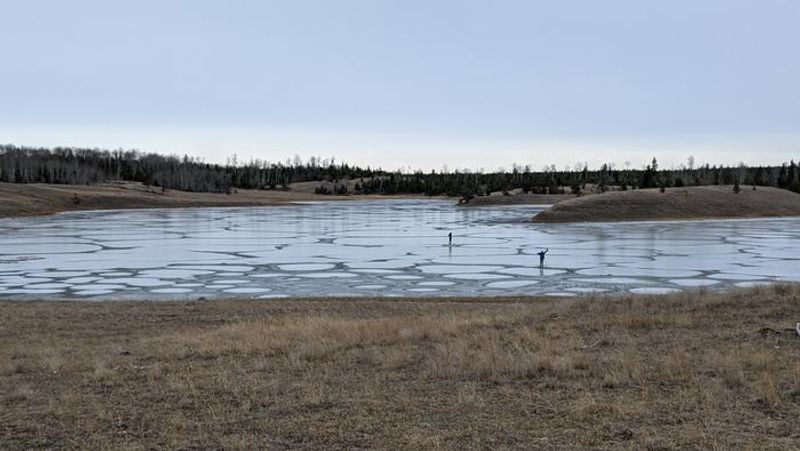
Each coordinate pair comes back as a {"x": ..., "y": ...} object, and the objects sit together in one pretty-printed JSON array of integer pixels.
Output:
[{"x": 768, "y": 330}]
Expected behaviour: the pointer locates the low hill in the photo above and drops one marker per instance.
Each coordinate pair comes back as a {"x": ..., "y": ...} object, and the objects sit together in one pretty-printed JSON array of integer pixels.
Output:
[
  {"x": 31, "y": 199},
  {"x": 42, "y": 199},
  {"x": 702, "y": 202}
]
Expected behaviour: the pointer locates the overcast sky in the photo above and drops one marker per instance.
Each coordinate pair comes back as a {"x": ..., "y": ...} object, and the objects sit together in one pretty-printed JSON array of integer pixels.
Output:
[{"x": 408, "y": 83}]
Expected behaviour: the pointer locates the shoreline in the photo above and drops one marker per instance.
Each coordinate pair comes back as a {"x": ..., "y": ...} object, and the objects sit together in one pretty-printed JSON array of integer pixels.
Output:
[
  {"x": 432, "y": 299},
  {"x": 19, "y": 201},
  {"x": 703, "y": 203},
  {"x": 32, "y": 200},
  {"x": 667, "y": 220},
  {"x": 498, "y": 298},
  {"x": 497, "y": 200}
]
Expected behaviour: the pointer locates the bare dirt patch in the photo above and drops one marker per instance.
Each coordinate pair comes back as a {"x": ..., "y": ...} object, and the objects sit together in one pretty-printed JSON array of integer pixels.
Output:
[{"x": 682, "y": 371}]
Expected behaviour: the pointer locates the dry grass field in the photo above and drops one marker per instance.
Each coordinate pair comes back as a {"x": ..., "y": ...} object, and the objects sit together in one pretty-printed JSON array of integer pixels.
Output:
[
  {"x": 697, "y": 370},
  {"x": 699, "y": 202}
]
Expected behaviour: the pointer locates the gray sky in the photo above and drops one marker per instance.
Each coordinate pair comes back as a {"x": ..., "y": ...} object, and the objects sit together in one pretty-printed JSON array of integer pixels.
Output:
[{"x": 408, "y": 83}]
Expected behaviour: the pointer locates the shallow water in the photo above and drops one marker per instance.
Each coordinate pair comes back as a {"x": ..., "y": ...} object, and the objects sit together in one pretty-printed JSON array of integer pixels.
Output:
[{"x": 378, "y": 248}]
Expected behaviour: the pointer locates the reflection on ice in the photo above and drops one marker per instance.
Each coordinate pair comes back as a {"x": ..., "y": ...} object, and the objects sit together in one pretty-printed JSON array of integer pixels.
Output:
[{"x": 385, "y": 248}]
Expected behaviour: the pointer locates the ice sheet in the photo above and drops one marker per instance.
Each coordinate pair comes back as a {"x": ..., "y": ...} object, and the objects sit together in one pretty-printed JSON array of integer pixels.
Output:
[{"x": 387, "y": 247}]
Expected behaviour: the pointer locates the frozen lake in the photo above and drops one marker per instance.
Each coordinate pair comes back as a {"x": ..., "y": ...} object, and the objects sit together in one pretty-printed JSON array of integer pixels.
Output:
[{"x": 378, "y": 248}]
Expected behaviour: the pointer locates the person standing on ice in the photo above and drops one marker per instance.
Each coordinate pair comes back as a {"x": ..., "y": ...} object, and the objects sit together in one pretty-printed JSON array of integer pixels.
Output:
[
  {"x": 541, "y": 257},
  {"x": 450, "y": 239}
]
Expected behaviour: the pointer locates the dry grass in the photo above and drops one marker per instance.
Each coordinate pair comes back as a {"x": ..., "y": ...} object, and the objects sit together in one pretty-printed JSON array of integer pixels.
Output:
[
  {"x": 689, "y": 370},
  {"x": 702, "y": 202},
  {"x": 44, "y": 199}
]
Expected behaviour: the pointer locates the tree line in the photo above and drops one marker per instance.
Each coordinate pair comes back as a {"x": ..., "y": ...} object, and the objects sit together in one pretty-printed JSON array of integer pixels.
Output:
[
  {"x": 66, "y": 165},
  {"x": 78, "y": 166}
]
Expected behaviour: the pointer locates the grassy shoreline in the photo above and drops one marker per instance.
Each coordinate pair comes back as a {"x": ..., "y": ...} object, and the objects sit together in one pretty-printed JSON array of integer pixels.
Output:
[
  {"x": 36, "y": 199},
  {"x": 694, "y": 369},
  {"x": 690, "y": 203}
]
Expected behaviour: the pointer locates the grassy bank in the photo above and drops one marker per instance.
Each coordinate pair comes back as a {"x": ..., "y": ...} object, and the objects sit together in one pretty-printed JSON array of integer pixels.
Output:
[
  {"x": 701, "y": 202},
  {"x": 688, "y": 370},
  {"x": 46, "y": 199}
]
